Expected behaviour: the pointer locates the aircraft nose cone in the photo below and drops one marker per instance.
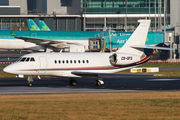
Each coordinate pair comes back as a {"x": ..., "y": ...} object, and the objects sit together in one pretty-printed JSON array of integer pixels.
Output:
[{"x": 7, "y": 69}]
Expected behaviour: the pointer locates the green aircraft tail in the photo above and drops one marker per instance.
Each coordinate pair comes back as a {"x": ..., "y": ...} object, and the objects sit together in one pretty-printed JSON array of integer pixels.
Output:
[
  {"x": 32, "y": 25},
  {"x": 43, "y": 26}
]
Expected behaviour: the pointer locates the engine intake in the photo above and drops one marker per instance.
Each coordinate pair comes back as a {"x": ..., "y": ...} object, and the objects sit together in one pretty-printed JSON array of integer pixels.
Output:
[{"x": 123, "y": 59}]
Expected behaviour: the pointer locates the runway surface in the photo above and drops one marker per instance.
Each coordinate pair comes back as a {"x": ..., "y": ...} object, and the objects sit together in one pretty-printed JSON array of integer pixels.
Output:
[{"x": 61, "y": 85}]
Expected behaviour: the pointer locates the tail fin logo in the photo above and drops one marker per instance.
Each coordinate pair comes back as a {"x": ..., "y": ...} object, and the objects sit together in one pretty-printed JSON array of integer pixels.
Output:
[
  {"x": 33, "y": 28},
  {"x": 44, "y": 28},
  {"x": 13, "y": 34},
  {"x": 147, "y": 39}
]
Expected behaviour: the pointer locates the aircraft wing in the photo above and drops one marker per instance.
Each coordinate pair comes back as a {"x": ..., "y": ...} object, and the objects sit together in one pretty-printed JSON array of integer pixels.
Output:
[
  {"x": 112, "y": 75},
  {"x": 48, "y": 43}
]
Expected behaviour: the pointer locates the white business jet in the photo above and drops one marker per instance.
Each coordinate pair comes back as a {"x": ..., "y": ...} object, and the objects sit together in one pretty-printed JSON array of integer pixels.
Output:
[{"x": 98, "y": 64}]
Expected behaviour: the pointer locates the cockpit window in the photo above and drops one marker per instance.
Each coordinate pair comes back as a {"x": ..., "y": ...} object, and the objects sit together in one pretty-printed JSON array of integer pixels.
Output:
[
  {"x": 19, "y": 59},
  {"x": 32, "y": 59},
  {"x": 23, "y": 59},
  {"x": 27, "y": 60}
]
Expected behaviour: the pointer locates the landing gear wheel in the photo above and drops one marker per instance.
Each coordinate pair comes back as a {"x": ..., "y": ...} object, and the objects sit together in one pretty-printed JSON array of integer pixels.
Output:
[
  {"x": 29, "y": 80},
  {"x": 29, "y": 84},
  {"x": 73, "y": 82},
  {"x": 98, "y": 83}
]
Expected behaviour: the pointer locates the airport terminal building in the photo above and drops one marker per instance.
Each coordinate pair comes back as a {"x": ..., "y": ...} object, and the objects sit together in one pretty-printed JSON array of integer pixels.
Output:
[
  {"x": 94, "y": 15},
  {"x": 87, "y": 15}
]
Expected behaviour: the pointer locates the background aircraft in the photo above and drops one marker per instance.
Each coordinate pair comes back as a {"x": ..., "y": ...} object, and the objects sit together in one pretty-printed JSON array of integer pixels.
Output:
[
  {"x": 72, "y": 41},
  {"x": 37, "y": 40},
  {"x": 32, "y": 25},
  {"x": 43, "y": 26},
  {"x": 96, "y": 64}
]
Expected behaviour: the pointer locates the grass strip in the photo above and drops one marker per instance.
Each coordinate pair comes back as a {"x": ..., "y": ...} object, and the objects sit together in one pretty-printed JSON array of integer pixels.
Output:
[
  {"x": 3, "y": 65},
  {"x": 99, "y": 106},
  {"x": 6, "y": 75},
  {"x": 160, "y": 65}
]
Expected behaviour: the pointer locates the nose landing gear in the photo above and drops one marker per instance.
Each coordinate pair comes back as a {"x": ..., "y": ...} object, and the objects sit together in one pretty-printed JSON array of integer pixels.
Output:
[{"x": 29, "y": 80}]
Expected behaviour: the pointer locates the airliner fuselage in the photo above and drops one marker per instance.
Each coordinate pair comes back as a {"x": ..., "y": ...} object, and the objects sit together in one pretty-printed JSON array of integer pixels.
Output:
[{"x": 13, "y": 44}]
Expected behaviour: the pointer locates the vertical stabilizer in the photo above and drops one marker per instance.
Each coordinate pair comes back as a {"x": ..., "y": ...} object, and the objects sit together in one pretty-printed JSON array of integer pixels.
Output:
[
  {"x": 32, "y": 25},
  {"x": 43, "y": 26},
  {"x": 137, "y": 38}
]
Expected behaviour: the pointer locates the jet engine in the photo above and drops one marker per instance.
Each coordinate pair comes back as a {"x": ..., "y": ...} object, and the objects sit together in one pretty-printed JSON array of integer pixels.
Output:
[{"x": 123, "y": 59}]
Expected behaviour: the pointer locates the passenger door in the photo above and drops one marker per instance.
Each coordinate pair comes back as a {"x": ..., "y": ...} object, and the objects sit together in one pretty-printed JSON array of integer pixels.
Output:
[{"x": 42, "y": 65}]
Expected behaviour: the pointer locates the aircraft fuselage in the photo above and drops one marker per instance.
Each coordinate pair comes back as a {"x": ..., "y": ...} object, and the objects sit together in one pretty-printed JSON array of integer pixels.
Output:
[{"x": 62, "y": 64}]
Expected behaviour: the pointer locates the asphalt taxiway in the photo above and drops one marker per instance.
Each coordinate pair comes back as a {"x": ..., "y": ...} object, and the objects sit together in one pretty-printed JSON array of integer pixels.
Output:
[{"x": 61, "y": 85}]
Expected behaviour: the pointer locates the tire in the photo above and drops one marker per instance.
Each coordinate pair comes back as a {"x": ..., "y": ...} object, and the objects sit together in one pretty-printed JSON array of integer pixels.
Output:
[
  {"x": 29, "y": 85},
  {"x": 98, "y": 83},
  {"x": 73, "y": 82}
]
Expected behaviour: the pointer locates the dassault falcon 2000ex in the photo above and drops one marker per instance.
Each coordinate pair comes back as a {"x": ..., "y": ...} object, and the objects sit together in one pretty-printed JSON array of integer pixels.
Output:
[{"x": 87, "y": 64}]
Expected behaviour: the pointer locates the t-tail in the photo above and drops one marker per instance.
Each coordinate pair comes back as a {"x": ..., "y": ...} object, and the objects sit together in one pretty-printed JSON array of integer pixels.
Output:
[
  {"x": 138, "y": 38},
  {"x": 128, "y": 55},
  {"x": 43, "y": 26},
  {"x": 32, "y": 25},
  {"x": 132, "y": 52}
]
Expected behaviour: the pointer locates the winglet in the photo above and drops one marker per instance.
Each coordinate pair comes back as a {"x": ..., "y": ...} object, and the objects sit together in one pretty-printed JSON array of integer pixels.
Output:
[
  {"x": 32, "y": 25},
  {"x": 43, "y": 26}
]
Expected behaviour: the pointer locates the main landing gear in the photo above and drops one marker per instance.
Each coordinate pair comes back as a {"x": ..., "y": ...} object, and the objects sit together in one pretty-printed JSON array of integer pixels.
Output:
[
  {"x": 29, "y": 80},
  {"x": 99, "y": 82},
  {"x": 72, "y": 82}
]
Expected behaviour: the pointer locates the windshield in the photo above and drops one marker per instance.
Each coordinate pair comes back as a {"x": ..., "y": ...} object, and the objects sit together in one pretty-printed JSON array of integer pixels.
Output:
[
  {"x": 19, "y": 59},
  {"x": 26, "y": 59},
  {"x": 23, "y": 59}
]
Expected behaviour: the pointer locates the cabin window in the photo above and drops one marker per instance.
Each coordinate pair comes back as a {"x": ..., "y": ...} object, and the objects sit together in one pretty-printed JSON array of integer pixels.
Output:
[
  {"x": 87, "y": 61},
  {"x": 74, "y": 61},
  {"x": 83, "y": 61},
  {"x": 70, "y": 61},
  {"x": 67, "y": 61},
  {"x": 27, "y": 60},
  {"x": 23, "y": 59},
  {"x": 55, "y": 61},
  {"x": 59, "y": 61},
  {"x": 79, "y": 61},
  {"x": 32, "y": 59},
  {"x": 63, "y": 61}
]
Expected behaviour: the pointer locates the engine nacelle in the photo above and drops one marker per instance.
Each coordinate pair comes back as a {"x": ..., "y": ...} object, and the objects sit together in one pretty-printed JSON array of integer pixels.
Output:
[{"x": 123, "y": 59}]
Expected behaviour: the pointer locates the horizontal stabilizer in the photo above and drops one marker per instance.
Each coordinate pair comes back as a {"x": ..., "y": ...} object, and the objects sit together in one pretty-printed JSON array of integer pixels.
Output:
[
  {"x": 112, "y": 75},
  {"x": 150, "y": 47}
]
